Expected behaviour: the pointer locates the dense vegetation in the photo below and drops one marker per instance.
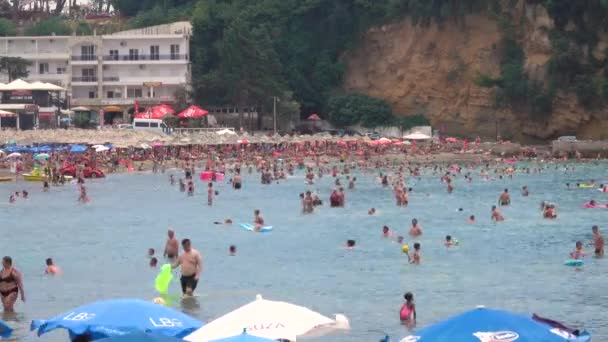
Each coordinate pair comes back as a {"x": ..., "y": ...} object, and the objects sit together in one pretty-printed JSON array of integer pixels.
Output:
[
  {"x": 244, "y": 52},
  {"x": 572, "y": 68}
]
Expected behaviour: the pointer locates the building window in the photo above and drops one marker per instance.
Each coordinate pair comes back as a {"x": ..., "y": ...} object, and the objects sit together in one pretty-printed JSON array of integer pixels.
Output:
[
  {"x": 174, "y": 51},
  {"x": 133, "y": 54},
  {"x": 110, "y": 94},
  {"x": 87, "y": 52},
  {"x": 134, "y": 93},
  {"x": 61, "y": 70},
  {"x": 88, "y": 75},
  {"x": 43, "y": 68},
  {"x": 92, "y": 95},
  {"x": 113, "y": 55},
  {"x": 154, "y": 55}
]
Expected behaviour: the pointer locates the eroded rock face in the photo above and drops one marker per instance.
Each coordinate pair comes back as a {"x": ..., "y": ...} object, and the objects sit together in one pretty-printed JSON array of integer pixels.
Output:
[{"x": 431, "y": 71}]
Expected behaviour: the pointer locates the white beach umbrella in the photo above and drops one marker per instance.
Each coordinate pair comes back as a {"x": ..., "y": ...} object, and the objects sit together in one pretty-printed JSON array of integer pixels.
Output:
[
  {"x": 417, "y": 136},
  {"x": 226, "y": 131},
  {"x": 101, "y": 148},
  {"x": 14, "y": 155},
  {"x": 270, "y": 319}
]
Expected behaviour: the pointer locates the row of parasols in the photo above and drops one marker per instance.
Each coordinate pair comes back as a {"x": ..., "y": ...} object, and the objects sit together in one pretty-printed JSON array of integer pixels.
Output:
[
  {"x": 160, "y": 111},
  {"x": 134, "y": 320}
]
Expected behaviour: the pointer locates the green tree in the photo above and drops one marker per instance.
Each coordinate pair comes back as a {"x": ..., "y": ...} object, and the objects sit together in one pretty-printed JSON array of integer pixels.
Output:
[
  {"x": 352, "y": 109},
  {"x": 47, "y": 27},
  {"x": 7, "y": 28},
  {"x": 15, "y": 67},
  {"x": 405, "y": 122}
]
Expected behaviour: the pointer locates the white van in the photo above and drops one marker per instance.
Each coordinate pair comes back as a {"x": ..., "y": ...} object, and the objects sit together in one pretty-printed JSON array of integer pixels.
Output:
[{"x": 155, "y": 125}]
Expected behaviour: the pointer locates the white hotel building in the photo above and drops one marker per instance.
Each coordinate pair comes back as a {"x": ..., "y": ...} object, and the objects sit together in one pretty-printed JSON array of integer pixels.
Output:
[{"x": 109, "y": 73}]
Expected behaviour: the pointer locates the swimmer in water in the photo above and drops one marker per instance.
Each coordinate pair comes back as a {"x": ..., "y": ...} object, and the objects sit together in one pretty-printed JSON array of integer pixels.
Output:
[
  {"x": 524, "y": 191},
  {"x": 416, "y": 257},
  {"x": 496, "y": 215},
  {"x": 371, "y": 211},
  {"x": 210, "y": 194},
  {"x": 471, "y": 219},
  {"x": 386, "y": 232},
  {"x": 449, "y": 242},
  {"x": 153, "y": 262},
  {"x": 415, "y": 230},
  {"x": 151, "y": 252},
  {"x": 11, "y": 199},
  {"x": 227, "y": 221},
  {"x": 407, "y": 314},
  {"x": 549, "y": 212},
  {"x": 350, "y": 244},
  {"x": 505, "y": 198},
  {"x": 598, "y": 241},
  {"x": 578, "y": 253},
  {"x": 51, "y": 269},
  {"x": 232, "y": 250}
]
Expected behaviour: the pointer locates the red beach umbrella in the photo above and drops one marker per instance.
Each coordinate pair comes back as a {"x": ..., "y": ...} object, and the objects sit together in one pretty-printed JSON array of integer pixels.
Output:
[
  {"x": 193, "y": 112},
  {"x": 315, "y": 117}
]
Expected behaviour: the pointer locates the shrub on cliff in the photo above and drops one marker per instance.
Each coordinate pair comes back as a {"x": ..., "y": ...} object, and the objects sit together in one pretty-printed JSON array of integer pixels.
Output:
[{"x": 353, "y": 109}]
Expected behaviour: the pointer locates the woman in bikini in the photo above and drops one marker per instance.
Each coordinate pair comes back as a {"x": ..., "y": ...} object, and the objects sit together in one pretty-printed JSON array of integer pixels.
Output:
[{"x": 10, "y": 285}]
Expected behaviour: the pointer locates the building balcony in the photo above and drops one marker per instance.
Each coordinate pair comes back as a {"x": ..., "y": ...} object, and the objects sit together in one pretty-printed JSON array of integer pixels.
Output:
[
  {"x": 129, "y": 102},
  {"x": 155, "y": 81},
  {"x": 84, "y": 79},
  {"x": 147, "y": 58},
  {"x": 47, "y": 77},
  {"x": 50, "y": 55},
  {"x": 84, "y": 59}
]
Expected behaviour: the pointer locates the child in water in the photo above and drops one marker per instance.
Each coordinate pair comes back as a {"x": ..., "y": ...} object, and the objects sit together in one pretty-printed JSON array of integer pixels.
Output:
[
  {"x": 471, "y": 219},
  {"x": 449, "y": 242},
  {"x": 350, "y": 244},
  {"x": 415, "y": 230},
  {"x": 232, "y": 250},
  {"x": 153, "y": 262},
  {"x": 578, "y": 253},
  {"x": 416, "y": 255},
  {"x": 407, "y": 314}
]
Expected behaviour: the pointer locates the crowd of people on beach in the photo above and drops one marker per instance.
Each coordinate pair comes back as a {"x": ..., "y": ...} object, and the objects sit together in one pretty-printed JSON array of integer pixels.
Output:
[{"x": 276, "y": 164}]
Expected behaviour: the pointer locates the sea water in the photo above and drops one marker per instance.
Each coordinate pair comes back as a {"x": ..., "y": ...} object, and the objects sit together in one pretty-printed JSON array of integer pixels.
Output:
[{"x": 516, "y": 265}]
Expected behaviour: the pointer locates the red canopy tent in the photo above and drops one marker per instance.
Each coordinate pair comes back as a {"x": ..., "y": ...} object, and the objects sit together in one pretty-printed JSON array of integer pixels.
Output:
[
  {"x": 193, "y": 112},
  {"x": 156, "y": 112},
  {"x": 315, "y": 117}
]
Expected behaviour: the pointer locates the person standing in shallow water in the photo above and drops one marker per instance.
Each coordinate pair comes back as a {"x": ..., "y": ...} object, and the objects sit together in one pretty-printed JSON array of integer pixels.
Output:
[
  {"x": 171, "y": 246},
  {"x": 191, "y": 264},
  {"x": 10, "y": 285}
]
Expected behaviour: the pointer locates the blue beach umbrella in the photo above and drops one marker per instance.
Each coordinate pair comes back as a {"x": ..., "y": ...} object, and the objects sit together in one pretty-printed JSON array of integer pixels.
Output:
[
  {"x": 5, "y": 330},
  {"x": 141, "y": 337},
  {"x": 77, "y": 148},
  {"x": 486, "y": 325},
  {"x": 119, "y": 317},
  {"x": 244, "y": 337}
]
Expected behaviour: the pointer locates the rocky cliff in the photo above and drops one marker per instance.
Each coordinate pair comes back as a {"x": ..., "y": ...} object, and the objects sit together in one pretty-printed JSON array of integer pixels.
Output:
[{"x": 431, "y": 70}]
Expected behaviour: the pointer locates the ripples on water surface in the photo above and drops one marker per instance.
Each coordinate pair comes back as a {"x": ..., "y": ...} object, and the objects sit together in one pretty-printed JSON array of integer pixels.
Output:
[{"x": 516, "y": 265}]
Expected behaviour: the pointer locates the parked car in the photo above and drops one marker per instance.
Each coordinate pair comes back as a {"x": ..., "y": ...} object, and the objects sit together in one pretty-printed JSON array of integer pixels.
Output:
[
  {"x": 88, "y": 172},
  {"x": 373, "y": 135},
  {"x": 125, "y": 126},
  {"x": 342, "y": 132}
]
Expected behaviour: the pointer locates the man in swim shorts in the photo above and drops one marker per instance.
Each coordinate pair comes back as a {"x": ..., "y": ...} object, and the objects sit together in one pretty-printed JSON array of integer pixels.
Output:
[
  {"x": 505, "y": 198},
  {"x": 598, "y": 241},
  {"x": 171, "y": 246},
  {"x": 191, "y": 264}
]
